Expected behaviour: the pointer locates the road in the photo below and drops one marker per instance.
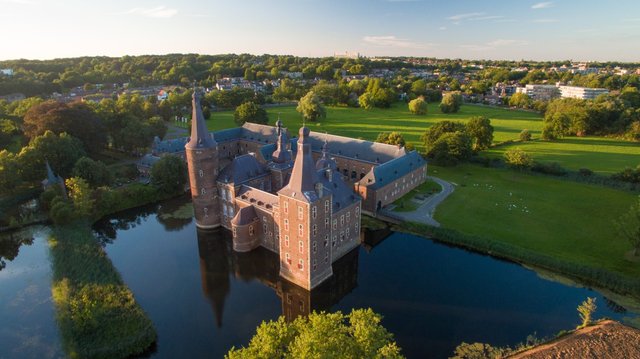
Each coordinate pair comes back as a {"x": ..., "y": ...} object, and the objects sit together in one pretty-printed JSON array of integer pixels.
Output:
[{"x": 424, "y": 213}]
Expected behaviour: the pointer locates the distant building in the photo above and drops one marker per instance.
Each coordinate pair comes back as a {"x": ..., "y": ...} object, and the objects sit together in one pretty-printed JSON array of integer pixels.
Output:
[
  {"x": 540, "y": 92},
  {"x": 53, "y": 180},
  {"x": 12, "y": 97},
  {"x": 6, "y": 72},
  {"x": 583, "y": 93},
  {"x": 347, "y": 55}
]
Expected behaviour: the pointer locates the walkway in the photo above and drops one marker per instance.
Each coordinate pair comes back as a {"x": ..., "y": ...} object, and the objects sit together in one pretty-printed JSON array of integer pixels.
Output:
[{"x": 424, "y": 213}]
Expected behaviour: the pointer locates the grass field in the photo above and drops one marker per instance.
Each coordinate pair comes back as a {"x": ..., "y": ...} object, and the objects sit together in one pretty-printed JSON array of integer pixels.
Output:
[
  {"x": 566, "y": 220},
  {"x": 367, "y": 124},
  {"x": 602, "y": 155}
]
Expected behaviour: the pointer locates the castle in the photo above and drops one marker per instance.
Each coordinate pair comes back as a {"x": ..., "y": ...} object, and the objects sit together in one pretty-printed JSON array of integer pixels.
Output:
[{"x": 301, "y": 198}]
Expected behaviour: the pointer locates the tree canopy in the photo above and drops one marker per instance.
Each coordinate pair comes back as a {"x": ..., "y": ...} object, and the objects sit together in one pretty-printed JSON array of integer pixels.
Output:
[
  {"x": 169, "y": 174},
  {"x": 311, "y": 107},
  {"x": 250, "y": 112},
  {"x": 628, "y": 226},
  {"x": 418, "y": 106},
  {"x": 451, "y": 102},
  {"x": 391, "y": 138},
  {"x": 322, "y": 335},
  {"x": 481, "y": 132}
]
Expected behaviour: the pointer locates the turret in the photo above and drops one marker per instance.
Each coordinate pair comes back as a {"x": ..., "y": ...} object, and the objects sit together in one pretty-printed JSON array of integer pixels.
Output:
[
  {"x": 305, "y": 213},
  {"x": 202, "y": 161},
  {"x": 282, "y": 154}
]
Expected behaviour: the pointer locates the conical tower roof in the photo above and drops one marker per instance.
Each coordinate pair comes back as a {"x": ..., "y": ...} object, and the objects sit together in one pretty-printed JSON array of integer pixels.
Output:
[
  {"x": 303, "y": 175},
  {"x": 200, "y": 137}
]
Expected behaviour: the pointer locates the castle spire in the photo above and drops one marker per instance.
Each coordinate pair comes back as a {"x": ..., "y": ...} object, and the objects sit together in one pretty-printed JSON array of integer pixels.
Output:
[
  {"x": 282, "y": 153},
  {"x": 303, "y": 176},
  {"x": 51, "y": 177},
  {"x": 200, "y": 136}
]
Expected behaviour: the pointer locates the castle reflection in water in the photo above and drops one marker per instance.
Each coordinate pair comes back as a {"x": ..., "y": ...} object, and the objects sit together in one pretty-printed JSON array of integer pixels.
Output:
[{"x": 219, "y": 262}]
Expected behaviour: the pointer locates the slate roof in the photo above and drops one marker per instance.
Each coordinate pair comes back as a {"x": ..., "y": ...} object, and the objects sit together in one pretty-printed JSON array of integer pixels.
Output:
[
  {"x": 200, "y": 137},
  {"x": 169, "y": 146},
  {"x": 228, "y": 134},
  {"x": 257, "y": 197},
  {"x": 148, "y": 160},
  {"x": 303, "y": 176},
  {"x": 343, "y": 194},
  {"x": 242, "y": 169},
  {"x": 359, "y": 149},
  {"x": 388, "y": 172}
]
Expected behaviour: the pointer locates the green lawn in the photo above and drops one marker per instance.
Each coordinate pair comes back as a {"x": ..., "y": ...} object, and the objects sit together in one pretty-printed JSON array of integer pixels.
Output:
[
  {"x": 570, "y": 221},
  {"x": 406, "y": 204},
  {"x": 603, "y": 155},
  {"x": 367, "y": 124}
]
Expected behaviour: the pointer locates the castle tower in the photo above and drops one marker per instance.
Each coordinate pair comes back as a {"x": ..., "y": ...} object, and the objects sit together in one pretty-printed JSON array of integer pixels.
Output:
[
  {"x": 305, "y": 214},
  {"x": 202, "y": 162}
]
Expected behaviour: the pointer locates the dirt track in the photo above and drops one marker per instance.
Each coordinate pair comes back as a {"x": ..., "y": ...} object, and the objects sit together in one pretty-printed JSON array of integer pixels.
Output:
[{"x": 606, "y": 340}]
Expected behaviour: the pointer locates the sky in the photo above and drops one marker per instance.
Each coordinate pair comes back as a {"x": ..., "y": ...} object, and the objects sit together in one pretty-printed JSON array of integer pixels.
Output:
[{"x": 511, "y": 30}]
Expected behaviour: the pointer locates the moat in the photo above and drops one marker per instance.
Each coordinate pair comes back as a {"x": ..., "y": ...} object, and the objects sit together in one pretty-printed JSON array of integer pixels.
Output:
[{"x": 203, "y": 298}]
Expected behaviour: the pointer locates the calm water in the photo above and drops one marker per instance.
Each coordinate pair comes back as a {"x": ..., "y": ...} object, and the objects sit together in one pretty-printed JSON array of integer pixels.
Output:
[{"x": 203, "y": 298}]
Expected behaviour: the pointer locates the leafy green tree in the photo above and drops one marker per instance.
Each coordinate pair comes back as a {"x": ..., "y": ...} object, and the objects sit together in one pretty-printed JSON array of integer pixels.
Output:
[
  {"x": 95, "y": 173},
  {"x": 433, "y": 133},
  {"x": 322, "y": 335},
  {"x": 157, "y": 126},
  {"x": 9, "y": 178},
  {"x": 169, "y": 174},
  {"x": 451, "y": 102},
  {"x": 419, "y": 87},
  {"x": 520, "y": 100},
  {"x": 8, "y": 129},
  {"x": 311, "y": 107},
  {"x": 81, "y": 195},
  {"x": 418, "y": 106},
  {"x": 555, "y": 126},
  {"x": 567, "y": 116},
  {"x": 628, "y": 226},
  {"x": 481, "y": 132},
  {"x": 525, "y": 135},
  {"x": 76, "y": 119},
  {"x": 62, "y": 151},
  {"x": 250, "y": 112},
  {"x": 366, "y": 101},
  {"x": 391, "y": 138},
  {"x": 586, "y": 310},
  {"x": 477, "y": 351},
  {"x": 517, "y": 158},
  {"x": 450, "y": 148}
]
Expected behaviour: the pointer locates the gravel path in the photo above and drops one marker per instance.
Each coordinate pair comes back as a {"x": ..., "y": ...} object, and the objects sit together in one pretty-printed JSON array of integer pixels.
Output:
[{"x": 424, "y": 213}]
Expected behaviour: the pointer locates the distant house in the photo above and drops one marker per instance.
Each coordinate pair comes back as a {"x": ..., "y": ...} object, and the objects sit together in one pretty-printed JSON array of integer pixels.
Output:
[
  {"x": 13, "y": 97},
  {"x": 163, "y": 95},
  {"x": 6, "y": 72}
]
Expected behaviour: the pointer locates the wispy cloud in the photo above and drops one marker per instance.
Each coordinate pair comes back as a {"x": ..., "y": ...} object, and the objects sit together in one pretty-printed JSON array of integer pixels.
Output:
[
  {"x": 544, "y": 21},
  {"x": 491, "y": 45},
  {"x": 542, "y": 5},
  {"x": 442, "y": 28},
  {"x": 159, "y": 12},
  {"x": 473, "y": 16},
  {"x": 393, "y": 41}
]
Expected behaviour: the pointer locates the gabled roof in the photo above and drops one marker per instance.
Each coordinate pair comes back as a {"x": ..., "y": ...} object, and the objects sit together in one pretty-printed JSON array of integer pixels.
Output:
[
  {"x": 242, "y": 169},
  {"x": 228, "y": 134},
  {"x": 388, "y": 172},
  {"x": 359, "y": 149},
  {"x": 260, "y": 133},
  {"x": 169, "y": 146}
]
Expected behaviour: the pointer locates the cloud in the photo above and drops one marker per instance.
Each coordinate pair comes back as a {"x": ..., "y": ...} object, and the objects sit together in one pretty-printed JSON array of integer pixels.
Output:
[
  {"x": 466, "y": 16},
  {"x": 159, "y": 12},
  {"x": 473, "y": 16},
  {"x": 442, "y": 28},
  {"x": 491, "y": 45},
  {"x": 542, "y": 5},
  {"x": 392, "y": 41},
  {"x": 544, "y": 21}
]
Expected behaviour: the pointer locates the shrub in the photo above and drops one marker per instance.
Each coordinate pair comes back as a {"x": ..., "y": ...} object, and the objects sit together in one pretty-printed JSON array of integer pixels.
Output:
[
  {"x": 525, "y": 135},
  {"x": 517, "y": 158},
  {"x": 552, "y": 168}
]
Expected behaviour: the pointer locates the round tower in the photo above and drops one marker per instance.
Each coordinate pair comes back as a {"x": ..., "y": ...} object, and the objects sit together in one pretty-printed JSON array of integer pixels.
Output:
[{"x": 202, "y": 162}]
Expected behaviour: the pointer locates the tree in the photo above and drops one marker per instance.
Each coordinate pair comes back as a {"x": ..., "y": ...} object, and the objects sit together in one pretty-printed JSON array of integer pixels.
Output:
[
  {"x": 525, "y": 135},
  {"x": 169, "y": 174},
  {"x": 451, "y": 102},
  {"x": 81, "y": 195},
  {"x": 95, "y": 173},
  {"x": 433, "y": 133},
  {"x": 9, "y": 178},
  {"x": 586, "y": 310},
  {"x": 517, "y": 158},
  {"x": 311, "y": 107},
  {"x": 76, "y": 119},
  {"x": 391, "y": 138},
  {"x": 481, "y": 132},
  {"x": 628, "y": 226},
  {"x": 418, "y": 106},
  {"x": 450, "y": 148},
  {"x": 62, "y": 151},
  {"x": 250, "y": 112},
  {"x": 322, "y": 335},
  {"x": 520, "y": 100},
  {"x": 477, "y": 351},
  {"x": 366, "y": 101},
  {"x": 8, "y": 129}
]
